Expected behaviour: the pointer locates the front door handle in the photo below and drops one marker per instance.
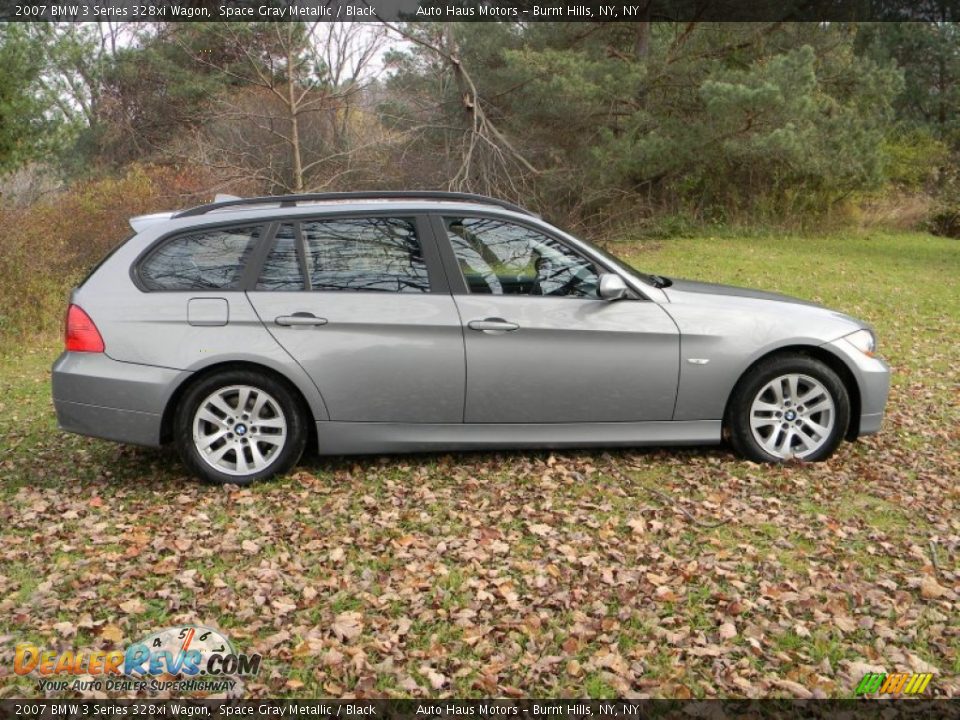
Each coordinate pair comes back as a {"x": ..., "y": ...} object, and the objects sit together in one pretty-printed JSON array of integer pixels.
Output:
[
  {"x": 492, "y": 324},
  {"x": 300, "y": 319}
]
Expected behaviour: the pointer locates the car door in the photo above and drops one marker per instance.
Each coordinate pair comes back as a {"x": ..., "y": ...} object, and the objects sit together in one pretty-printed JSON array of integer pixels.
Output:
[
  {"x": 541, "y": 346},
  {"x": 362, "y": 305}
]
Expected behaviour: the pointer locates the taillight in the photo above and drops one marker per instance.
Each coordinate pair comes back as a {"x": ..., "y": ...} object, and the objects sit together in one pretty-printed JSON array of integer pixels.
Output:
[{"x": 80, "y": 334}]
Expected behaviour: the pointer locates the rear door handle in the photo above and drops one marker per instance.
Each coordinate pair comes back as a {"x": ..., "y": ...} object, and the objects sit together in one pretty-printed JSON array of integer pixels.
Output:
[
  {"x": 492, "y": 324},
  {"x": 300, "y": 319}
]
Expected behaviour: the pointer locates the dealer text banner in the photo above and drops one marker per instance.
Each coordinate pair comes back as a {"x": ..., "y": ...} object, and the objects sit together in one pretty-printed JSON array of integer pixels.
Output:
[
  {"x": 472, "y": 11},
  {"x": 475, "y": 709}
]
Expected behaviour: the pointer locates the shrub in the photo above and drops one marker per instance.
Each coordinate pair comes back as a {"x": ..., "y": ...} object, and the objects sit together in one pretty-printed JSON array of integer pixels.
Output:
[
  {"x": 914, "y": 159},
  {"x": 49, "y": 245},
  {"x": 945, "y": 221}
]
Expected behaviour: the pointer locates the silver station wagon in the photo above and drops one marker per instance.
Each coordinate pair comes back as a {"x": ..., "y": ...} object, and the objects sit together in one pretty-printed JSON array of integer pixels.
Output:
[{"x": 413, "y": 321}]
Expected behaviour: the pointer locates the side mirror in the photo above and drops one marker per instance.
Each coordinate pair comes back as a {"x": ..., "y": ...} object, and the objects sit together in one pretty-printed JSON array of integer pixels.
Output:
[{"x": 612, "y": 287}]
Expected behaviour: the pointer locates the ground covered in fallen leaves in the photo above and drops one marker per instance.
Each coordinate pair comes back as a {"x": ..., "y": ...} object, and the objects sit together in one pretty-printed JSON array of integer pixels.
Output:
[{"x": 662, "y": 573}]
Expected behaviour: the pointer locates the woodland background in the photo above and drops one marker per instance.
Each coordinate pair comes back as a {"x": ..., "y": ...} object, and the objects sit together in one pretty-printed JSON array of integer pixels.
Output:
[{"x": 649, "y": 129}]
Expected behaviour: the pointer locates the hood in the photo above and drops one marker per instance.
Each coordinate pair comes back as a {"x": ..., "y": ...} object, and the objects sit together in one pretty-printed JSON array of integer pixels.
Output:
[
  {"x": 692, "y": 286},
  {"x": 698, "y": 307}
]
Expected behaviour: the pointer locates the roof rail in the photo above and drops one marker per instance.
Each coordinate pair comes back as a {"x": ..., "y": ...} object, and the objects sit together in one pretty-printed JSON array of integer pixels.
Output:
[{"x": 292, "y": 200}]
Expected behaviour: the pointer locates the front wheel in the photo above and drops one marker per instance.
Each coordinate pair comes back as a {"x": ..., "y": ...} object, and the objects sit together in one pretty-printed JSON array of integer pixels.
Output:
[
  {"x": 787, "y": 407},
  {"x": 239, "y": 426}
]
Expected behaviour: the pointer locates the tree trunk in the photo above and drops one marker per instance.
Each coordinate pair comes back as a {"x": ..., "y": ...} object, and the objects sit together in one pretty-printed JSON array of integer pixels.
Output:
[
  {"x": 293, "y": 107},
  {"x": 641, "y": 38}
]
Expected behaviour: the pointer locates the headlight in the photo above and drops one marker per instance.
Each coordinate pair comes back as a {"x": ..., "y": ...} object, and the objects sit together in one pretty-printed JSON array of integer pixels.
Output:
[{"x": 864, "y": 341}]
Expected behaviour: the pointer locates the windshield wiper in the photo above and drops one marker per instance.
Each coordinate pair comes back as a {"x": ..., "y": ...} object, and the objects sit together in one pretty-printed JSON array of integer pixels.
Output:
[{"x": 660, "y": 282}]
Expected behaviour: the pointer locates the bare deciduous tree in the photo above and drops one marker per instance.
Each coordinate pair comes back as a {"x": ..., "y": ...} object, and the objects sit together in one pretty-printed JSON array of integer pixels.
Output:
[{"x": 289, "y": 121}]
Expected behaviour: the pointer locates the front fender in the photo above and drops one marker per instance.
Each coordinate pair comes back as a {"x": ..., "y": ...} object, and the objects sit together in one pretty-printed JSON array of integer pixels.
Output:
[{"x": 722, "y": 337}]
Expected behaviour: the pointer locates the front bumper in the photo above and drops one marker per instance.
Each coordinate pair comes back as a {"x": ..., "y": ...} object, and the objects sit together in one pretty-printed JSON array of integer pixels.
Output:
[
  {"x": 873, "y": 378},
  {"x": 101, "y": 397}
]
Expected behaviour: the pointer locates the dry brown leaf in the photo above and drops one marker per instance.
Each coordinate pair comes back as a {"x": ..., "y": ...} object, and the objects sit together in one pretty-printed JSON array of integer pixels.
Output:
[
  {"x": 65, "y": 628},
  {"x": 637, "y": 525},
  {"x": 249, "y": 546},
  {"x": 348, "y": 625},
  {"x": 112, "y": 633},
  {"x": 333, "y": 658},
  {"x": 133, "y": 607},
  {"x": 794, "y": 688},
  {"x": 931, "y": 589},
  {"x": 727, "y": 631},
  {"x": 845, "y": 624},
  {"x": 436, "y": 680},
  {"x": 283, "y": 605}
]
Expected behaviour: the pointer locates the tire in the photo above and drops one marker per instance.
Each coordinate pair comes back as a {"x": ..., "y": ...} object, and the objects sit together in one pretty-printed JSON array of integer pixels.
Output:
[
  {"x": 223, "y": 443},
  {"x": 786, "y": 407}
]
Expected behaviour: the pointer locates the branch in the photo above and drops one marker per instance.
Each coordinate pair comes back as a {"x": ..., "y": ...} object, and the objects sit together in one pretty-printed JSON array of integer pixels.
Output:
[{"x": 481, "y": 124}]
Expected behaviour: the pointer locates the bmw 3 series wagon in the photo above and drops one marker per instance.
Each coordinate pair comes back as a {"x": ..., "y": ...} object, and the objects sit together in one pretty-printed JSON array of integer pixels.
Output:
[{"x": 373, "y": 322}]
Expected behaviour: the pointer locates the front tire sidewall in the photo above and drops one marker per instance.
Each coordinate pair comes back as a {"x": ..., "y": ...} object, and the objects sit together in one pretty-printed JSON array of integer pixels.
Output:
[
  {"x": 738, "y": 416},
  {"x": 288, "y": 456}
]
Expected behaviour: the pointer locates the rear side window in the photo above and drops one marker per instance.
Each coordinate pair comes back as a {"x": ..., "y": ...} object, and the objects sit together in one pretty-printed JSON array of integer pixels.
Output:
[
  {"x": 206, "y": 260},
  {"x": 380, "y": 254}
]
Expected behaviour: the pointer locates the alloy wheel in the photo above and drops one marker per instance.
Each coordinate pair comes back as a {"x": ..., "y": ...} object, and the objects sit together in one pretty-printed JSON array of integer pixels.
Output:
[
  {"x": 239, "y": 430},
  {"x": 792, "y": 416}
]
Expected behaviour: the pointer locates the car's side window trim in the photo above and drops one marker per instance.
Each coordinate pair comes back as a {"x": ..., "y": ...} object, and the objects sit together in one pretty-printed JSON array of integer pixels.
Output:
[
  {"x": 251, "y": 273},
  {"x": 301, "y": 245},
  {"x": 458, "y": 282},
  {"x": 431, "y": 249},
  {"x": 261, "y": 225}
]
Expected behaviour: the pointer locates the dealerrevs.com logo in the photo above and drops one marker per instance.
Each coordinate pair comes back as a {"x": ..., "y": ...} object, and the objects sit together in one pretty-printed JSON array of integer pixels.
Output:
[{"x": 188, "y": 658}]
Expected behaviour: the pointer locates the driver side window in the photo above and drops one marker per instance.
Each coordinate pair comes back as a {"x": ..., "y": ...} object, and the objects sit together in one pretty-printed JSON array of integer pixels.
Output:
[{"x": 498, "y": 257}]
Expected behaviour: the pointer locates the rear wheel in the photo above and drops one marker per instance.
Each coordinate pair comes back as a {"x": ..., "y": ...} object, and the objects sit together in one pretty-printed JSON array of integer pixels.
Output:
[
  {"x": 239, "y": 426},
  {"x": 790, "y": 406}
]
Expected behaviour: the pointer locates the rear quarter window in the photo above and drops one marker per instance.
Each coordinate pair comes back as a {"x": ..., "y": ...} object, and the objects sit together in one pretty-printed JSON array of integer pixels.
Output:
[{"x": 211, "y": 259}]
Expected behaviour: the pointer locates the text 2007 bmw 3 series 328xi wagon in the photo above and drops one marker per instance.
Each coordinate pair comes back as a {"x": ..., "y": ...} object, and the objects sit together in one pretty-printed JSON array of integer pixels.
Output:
[{"x": 409, "y": 321}]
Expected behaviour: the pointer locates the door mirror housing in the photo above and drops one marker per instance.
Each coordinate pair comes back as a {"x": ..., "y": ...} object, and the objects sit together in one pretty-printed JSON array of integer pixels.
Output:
[{"x": 612, "y": 287}]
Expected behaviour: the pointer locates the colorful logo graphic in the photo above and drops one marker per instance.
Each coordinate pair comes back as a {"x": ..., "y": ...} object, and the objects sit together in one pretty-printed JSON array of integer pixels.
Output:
[
  {"x": 893, "y": 683},
  {"x": 188, "y": 657}
]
